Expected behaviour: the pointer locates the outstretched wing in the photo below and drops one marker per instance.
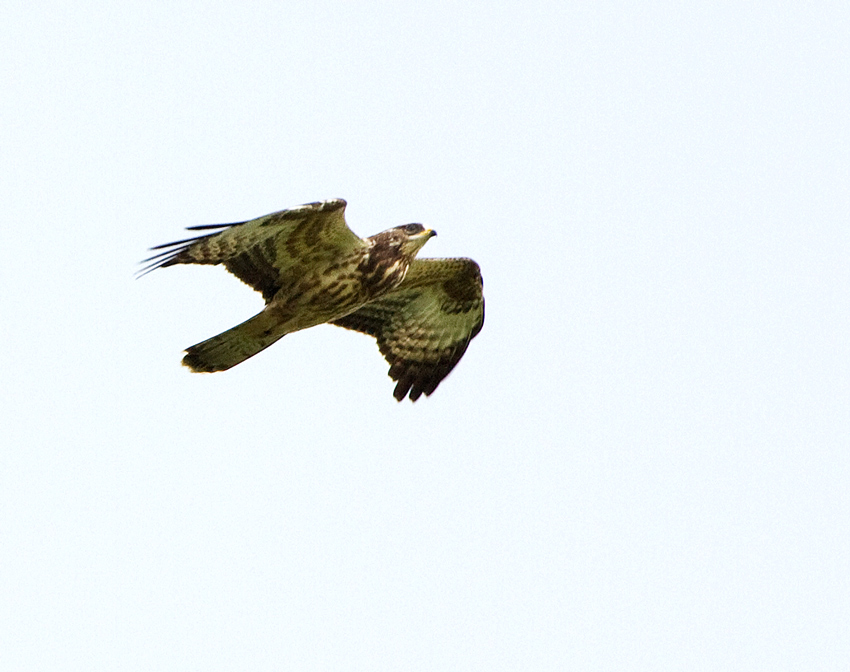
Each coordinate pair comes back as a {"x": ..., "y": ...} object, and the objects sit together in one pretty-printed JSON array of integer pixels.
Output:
[
  {"x": 260, "y": 250},
  {"x": 424, "y": 326}
]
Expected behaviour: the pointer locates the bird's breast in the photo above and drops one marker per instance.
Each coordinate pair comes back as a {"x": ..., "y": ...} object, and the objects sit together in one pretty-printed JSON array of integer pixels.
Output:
[{"x": 377, "y": 279}]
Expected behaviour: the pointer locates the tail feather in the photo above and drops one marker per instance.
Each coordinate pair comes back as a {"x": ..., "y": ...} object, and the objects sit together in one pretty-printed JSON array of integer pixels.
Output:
[{"x": 235, "y": 345}]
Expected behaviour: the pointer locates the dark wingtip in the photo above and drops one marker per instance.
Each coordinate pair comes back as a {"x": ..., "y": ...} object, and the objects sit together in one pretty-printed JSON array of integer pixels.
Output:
[
  {"x": 409, "y": 384},
  {"x": 403, "y": 387},
  {"x": 156, "y": 263}
]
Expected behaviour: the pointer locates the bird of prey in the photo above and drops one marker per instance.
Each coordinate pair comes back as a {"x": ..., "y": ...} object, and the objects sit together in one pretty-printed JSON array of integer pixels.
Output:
[{"x": 312, "y": 269}]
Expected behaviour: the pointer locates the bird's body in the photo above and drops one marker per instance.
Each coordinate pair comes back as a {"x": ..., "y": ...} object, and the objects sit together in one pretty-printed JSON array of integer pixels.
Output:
[{"x": 312, "y": 269}]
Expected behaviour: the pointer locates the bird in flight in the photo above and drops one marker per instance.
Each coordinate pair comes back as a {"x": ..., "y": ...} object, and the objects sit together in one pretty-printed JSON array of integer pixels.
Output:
[{"x": 312, "y": 269}]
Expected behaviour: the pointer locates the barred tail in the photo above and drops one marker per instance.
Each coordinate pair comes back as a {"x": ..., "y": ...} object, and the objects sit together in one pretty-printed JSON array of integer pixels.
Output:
[{"x": 235, "y": 345}]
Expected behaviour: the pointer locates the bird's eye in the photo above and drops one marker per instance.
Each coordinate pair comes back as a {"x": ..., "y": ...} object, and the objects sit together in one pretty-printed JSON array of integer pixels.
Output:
[{"x": 413, "y": 228}]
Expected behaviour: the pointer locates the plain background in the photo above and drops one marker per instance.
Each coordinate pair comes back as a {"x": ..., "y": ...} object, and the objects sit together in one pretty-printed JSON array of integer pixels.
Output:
[{"x": 640, "y": 464}]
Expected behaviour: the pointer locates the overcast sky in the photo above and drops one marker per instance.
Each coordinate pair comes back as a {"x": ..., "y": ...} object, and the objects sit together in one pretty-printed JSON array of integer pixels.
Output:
[{"x": 641, "y": 463}]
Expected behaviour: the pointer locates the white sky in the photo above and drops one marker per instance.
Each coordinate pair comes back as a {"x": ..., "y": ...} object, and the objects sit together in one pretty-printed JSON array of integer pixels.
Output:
[{"x": 641, "y": 463}]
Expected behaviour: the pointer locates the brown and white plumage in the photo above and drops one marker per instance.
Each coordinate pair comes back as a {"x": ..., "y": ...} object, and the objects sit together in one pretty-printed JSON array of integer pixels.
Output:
[
  {"x": 424, "y": 325},
  {"x": 312, "y": 269}
]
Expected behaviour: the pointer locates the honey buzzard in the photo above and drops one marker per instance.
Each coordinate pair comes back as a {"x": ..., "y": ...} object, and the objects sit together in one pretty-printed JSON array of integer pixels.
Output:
[{"x": 312, "y": 269}]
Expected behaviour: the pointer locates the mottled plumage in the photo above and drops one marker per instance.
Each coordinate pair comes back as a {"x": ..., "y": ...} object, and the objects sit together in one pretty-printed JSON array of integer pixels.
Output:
[{"x": 312, "y": 269}]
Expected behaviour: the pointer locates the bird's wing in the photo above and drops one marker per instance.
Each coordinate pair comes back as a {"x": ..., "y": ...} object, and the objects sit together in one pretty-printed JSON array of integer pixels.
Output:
[
  {"x": 260, "y": 250},
  {"x": 424, "y": 326}
]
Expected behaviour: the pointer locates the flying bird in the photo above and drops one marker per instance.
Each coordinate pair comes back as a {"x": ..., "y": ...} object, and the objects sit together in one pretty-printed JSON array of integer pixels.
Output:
[{"x": 312, "y": 269}]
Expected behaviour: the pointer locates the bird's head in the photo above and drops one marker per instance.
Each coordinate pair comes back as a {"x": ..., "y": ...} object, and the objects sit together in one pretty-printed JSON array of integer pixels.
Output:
[
  {"x": 392, "y": 251},
  {"x": 413, "y": 237}
]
